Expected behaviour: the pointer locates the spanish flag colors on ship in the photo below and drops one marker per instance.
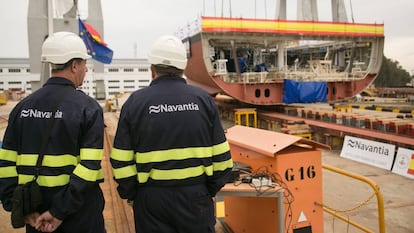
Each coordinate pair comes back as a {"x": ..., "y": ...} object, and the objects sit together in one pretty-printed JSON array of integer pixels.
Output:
[{"x": 411, "y": 166}]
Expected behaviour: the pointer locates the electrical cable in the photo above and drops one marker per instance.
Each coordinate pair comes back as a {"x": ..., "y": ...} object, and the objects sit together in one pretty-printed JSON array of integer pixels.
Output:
[{"x": 263, "y": 172}]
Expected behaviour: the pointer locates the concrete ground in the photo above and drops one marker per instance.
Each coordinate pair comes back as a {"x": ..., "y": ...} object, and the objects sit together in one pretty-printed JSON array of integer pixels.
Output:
[{"x": 341, "y": 192}]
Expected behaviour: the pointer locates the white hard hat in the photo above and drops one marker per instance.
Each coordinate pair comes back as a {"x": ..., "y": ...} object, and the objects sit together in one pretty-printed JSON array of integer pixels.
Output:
[
  {"x": 61, "y": 47},
  {"x": 168, "y": 50}
]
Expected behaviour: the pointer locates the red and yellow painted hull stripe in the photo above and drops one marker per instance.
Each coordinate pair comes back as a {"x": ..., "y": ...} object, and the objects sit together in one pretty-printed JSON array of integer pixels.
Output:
[{"x": 215, "y": 24}]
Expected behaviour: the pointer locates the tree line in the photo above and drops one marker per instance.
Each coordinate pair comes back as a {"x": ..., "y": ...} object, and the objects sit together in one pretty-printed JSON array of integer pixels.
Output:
[{"x": 392, "y": 74}]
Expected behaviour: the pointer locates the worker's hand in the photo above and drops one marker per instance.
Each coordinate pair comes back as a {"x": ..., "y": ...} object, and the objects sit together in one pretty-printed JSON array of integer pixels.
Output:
[
  {"x": 47, "y": 223},
  {"x": 31, "y": 218}
]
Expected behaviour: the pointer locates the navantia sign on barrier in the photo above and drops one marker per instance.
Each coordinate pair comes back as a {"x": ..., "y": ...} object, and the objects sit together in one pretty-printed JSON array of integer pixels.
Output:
[
  {"x": 370, "y": 152},
  {"x": 404, "y": 163}
]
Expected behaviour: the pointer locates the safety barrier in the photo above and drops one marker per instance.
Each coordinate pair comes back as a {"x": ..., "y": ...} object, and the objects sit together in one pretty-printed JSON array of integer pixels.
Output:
[
  {"x": 244, "y": 113},
  {"x": 374, "y": 186}
]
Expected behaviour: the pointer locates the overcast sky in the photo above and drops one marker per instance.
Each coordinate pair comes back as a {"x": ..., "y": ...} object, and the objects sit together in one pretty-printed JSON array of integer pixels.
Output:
[{"x": 130, "y": 24}]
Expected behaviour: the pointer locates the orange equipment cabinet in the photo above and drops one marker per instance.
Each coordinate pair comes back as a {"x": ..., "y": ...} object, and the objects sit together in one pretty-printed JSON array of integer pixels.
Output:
[{"x": 296, "y": 163}]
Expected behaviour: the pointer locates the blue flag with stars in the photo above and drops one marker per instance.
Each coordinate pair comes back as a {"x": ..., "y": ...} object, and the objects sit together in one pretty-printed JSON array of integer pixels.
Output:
[{"x": 95, "y": 46}]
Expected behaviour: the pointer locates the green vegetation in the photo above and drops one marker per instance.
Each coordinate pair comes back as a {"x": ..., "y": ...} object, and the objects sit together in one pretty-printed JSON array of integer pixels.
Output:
[{"x": 392, "y": 74}]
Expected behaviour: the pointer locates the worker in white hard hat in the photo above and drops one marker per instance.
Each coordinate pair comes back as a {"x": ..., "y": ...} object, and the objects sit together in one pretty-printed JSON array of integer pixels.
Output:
[
  {"x": 60, "y": 49},
  {"x": 170, "y": 155},
  {"x": 54, "y": 137}
]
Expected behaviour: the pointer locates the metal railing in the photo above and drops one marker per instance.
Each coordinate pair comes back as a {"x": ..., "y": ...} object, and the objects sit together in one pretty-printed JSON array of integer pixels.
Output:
[{"x": 374, "y": 186}]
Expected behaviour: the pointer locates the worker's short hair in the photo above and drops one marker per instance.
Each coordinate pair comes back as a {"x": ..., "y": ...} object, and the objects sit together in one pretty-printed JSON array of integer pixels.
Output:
[
  {"x": 60, "y": 67},
  {"x": 167, "y": 70}
]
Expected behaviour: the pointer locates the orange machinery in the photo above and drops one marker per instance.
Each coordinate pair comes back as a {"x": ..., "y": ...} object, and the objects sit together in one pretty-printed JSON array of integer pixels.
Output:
[{"x": 296, "y": 163}]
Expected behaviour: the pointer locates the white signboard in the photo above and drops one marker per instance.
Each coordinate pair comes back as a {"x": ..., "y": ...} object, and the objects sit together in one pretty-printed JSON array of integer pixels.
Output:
[
  {"x": 370, "y": 152},
  {"x": 404, "y": 163}
]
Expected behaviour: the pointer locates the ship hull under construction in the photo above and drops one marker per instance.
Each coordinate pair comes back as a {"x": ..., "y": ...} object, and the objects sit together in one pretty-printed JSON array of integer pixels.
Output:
[{"x": 257, "y": 61}]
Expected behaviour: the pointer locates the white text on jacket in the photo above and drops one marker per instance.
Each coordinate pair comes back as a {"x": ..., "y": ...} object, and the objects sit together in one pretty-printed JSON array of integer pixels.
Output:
[
  {"x": 34, "y": 113},
  {"x": 154, "y": 109}
]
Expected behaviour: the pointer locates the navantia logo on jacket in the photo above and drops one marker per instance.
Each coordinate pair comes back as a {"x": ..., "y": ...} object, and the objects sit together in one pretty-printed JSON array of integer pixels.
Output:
[
  {"x": 169, "y": 108},
  {"x": 34, "y": 113}
]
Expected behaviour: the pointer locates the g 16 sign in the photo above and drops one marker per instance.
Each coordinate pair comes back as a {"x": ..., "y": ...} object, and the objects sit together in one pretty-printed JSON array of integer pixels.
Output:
[{"x": 370, "y": 152}]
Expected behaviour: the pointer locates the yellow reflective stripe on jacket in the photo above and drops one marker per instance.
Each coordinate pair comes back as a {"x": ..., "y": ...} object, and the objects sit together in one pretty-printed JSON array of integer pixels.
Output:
[
  {"x": 26, "y": 160},
  {"x": 122, "y": 155},
  {"x": 6, "y": 172},
  {"x": 59, "y": 160},
  {"x": 221, "y": 166},
  {"x": 88, "y": 174},
  {"x": 175, "y": 174},
  {"x": 181, "y": 154},
  {"x": 221, "y": 148},
  {"x": 53, "y": 181},
  {"x": 91, "y": 154},
  {"x": 174, "y": 154},
  {"x": 125, "y": 172},
  {"x": 46, "y": 181},
  {"x": 8, "y": 155},
  {"x": 48, "y": 160}
]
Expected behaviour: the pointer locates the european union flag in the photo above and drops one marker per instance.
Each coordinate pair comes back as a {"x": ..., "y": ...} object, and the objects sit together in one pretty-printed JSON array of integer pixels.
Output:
[{"x": 96, "y": 48}]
